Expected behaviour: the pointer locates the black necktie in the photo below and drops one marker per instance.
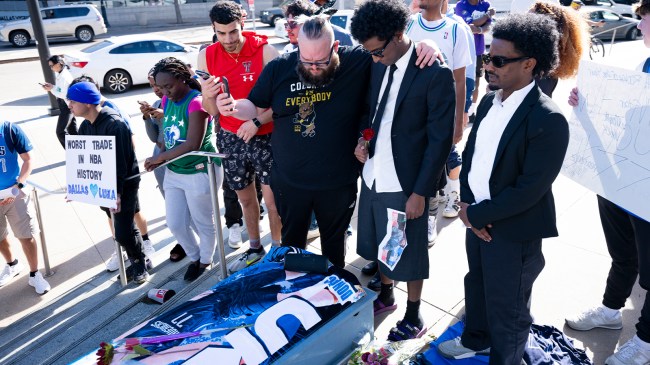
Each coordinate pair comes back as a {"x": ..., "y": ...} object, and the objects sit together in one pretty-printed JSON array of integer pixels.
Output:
[{"x": 376, "y": 121}]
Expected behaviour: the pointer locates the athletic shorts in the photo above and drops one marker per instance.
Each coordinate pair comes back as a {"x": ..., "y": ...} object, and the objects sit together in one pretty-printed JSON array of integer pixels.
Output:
[
  {"x": 20, "y": 216},
  {"x": 245, "y": 160},
  {"x": 453, "y": 160}
]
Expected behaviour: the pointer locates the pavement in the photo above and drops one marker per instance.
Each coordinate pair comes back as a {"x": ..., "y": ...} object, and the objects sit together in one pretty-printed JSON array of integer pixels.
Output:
[{"x": 79, "y": 244}]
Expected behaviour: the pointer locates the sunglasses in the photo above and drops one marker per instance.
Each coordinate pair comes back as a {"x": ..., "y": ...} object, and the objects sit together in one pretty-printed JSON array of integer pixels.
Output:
[
  {"x": 379, "y": 53},
  {"x": 500, "y": 61},
  {"x": 318, "y": 63},
  {"x": 291, "y": 24}
]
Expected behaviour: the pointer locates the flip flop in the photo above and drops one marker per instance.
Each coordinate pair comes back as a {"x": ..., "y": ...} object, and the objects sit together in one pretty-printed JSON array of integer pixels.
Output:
[
  {"x": 177, "y": 253},
  {"x": 380, "y": 307},
  {"x": 405, "y": 330}
]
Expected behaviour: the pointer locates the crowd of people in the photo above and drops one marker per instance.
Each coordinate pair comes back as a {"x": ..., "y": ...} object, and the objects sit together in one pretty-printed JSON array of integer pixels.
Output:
[{"x": 300, "y": 128}]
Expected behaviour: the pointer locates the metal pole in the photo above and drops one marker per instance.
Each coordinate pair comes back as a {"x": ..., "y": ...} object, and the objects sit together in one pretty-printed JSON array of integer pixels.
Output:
[
  {"x": 43, "y": 49},
  {"x": 118, "y": 249},
  {"x": 611, "y": 44},
  {"x": 46, "y": 256},
  {"x": 217, "y": 217}
]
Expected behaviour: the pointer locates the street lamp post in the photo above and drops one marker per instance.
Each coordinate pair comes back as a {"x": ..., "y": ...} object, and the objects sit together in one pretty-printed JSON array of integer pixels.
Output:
[{"x": 43, "y": 49}]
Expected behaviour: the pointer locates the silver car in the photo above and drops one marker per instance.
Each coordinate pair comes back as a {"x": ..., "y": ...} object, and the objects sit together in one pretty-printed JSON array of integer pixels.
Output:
[{"x": 625, "y": 28}]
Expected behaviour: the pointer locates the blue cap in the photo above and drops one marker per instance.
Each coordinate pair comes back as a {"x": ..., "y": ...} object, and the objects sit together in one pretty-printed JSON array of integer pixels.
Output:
[{"x": 84, "y": 92}]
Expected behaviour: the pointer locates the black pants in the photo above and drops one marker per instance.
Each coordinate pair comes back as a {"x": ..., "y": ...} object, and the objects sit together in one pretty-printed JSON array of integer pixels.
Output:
[
  {"x": 126, "y": 232},
  {"x": 66, "y": 122},
  {"x": 233, "y": 212},
  {"x": 628, "y": 243},
  {"x": 333, "y": 209},
  {"x": 497, "y": 292}
]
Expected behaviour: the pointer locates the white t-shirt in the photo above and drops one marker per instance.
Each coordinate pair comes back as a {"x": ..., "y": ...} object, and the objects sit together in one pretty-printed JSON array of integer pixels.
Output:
[{"x": 451, "y": 40}]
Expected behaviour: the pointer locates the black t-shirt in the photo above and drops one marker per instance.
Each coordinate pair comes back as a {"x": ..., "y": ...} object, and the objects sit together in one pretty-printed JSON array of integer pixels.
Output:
[{"x": 315, "y": 129}]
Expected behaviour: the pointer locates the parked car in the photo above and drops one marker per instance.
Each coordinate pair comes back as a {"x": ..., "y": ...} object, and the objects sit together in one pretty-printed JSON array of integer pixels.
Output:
[
  {"x": 81, "y": 21},
  {"x": 118, "y": 63},
  {"x": 626, "y": 28},
  {"x": 271, "y": 16},
  {"x": 622, "y": 9},
  {"x": 342, "y": 18}
]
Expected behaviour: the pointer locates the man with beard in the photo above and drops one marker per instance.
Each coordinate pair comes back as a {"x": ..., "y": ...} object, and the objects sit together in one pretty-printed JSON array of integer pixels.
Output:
[
  {"x": 318, "y": 97},
  {"x": 240, "y": 57},
  {"x": 513, "y": 154},
  {"x": 296, "y": 8}
]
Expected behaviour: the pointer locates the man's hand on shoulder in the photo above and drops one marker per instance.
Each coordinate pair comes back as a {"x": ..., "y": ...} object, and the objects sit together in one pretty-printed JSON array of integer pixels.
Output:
[{"x": 427, "y": 52}]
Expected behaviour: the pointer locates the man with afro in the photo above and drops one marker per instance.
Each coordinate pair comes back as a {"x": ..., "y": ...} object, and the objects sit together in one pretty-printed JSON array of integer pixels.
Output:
[{"x": 513, "y": 154}]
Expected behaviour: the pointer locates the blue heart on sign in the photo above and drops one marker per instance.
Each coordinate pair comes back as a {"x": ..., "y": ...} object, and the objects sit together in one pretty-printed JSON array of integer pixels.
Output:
[{"x": 93, "y": 189}]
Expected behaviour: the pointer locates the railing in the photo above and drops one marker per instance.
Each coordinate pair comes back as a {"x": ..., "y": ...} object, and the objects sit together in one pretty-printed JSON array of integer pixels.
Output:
[
  {"x": 211, "y": 156},
  {"x": 611, "y": 43}
]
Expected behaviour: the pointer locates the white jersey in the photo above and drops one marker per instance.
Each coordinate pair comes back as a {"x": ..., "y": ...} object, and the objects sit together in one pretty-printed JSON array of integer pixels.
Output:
[
  {"x": 451, "y": 40},
  {"x": 470, "y": 70}
]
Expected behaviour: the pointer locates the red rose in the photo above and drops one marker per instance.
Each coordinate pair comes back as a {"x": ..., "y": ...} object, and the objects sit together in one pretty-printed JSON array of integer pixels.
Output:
[{"x": 368, "y": 134}]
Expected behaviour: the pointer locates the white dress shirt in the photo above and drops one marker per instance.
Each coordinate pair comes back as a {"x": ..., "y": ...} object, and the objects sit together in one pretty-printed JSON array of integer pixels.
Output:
[
  {"x": 488, "y": 136},
  {"x": 380, "y": 169}
]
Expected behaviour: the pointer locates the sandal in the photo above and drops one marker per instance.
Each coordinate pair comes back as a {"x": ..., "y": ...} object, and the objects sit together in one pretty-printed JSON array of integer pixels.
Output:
[
  {"x": 379, "y": 307},
  {"x": 405, "y": 330},
  {"x": 177, "y": 253}
]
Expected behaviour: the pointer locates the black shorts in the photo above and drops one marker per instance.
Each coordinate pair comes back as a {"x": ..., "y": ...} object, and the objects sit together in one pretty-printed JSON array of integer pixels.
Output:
[
  {"x": 137, "y": 206},
  {"x": 245, "y": 160}
]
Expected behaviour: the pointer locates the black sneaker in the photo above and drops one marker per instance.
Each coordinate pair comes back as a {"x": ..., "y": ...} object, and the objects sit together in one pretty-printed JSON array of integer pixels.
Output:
[
  {"x": 135, "y": 272},
  {"x": 194, "y": 271}
]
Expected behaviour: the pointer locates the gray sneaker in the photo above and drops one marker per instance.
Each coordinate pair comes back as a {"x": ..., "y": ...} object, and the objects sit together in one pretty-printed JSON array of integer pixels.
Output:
[
  {"x": 631, "y": 353},
  {"x": 595, "y": 317},
  {"x": 454, "y": 349},
  {"x": 247, "y": 259}
]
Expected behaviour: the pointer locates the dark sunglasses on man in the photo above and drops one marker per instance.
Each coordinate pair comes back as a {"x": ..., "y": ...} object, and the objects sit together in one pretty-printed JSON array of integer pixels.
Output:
[
  {"x": 291, "y": 24},
  {"x": 500, "y": 61}
]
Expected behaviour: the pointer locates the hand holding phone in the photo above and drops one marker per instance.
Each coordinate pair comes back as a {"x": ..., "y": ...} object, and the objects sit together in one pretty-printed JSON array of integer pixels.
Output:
[
  {"x": 202, "y": 74},
  {"x": 42, "y": 84},
  {"x": 143, "y": 103},
  {"x": 226, "y": 86}
]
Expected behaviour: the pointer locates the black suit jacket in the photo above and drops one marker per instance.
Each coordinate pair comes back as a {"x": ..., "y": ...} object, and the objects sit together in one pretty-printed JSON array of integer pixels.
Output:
[
  {"x": 423, "y": 124},
  {"x": 528, "y": 159}
]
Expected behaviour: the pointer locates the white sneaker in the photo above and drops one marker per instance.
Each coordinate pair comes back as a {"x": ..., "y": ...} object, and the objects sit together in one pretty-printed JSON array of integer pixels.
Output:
[
  {"x": 10, "y": 272},
  {"x": 454, "y": 349},
  {"x": 39, "y": 283},
  {"x": 234, "y": 236},
  {"x": 148, "y": 249},
  {"x": 452, "y": 208},
  {"x": 113, "y": 263},
  {"x": 631, "y": 353},
  {"x": 432, "y": 231},
  {"x": 595, "y": 317}
]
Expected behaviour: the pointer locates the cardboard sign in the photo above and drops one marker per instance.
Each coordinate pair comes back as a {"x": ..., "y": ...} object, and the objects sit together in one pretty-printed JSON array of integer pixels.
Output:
[
  {"x": 90, "y": 170},
  {"x": 609, "y": 149}
]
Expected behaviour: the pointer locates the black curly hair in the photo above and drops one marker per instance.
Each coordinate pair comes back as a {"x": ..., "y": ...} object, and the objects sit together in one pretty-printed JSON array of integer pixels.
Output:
[
  {"x": 296, "y": 8},
  {"x": 534, "y": 36},
  {"x": 178, "y": 70},
  {"x": 226, "y": 12},
  {"x": 379, "y": 18},
  {"x": 84, "y": 78}
]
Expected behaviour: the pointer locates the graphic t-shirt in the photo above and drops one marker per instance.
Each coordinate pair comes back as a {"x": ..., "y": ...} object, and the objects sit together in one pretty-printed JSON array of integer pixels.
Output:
[
  {"x": 469, "y": 13},
  {"x": 242, "y": 71},
  {"x": 447, "y": 35},
  {"x": 13, "y": 142},
  {"x": 175, "y": 126},
  {"x": 316, "y": 129}
]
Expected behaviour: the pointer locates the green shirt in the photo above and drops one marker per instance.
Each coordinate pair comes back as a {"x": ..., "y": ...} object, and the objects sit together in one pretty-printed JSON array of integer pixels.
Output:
[{"x": 175, "y": 126}]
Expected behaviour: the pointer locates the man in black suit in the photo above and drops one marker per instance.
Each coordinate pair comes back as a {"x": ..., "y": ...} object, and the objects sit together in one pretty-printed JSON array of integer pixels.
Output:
[
  {"x": 412, "y": 118},
  {"x": 513, "y": 154}
]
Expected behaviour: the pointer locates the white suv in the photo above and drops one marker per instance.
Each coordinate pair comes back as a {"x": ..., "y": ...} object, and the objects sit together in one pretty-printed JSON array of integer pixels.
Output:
[{"x": 81, "y": 21}]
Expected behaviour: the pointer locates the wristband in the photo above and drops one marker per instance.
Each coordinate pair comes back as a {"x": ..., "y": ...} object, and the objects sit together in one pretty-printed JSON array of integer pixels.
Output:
[
  {"x": 257, "y": 122},
  {"x": 20, "y": 185}
]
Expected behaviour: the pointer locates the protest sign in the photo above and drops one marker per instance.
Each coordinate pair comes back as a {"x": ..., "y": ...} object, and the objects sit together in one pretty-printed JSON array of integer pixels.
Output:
[
  {"x": 609, "y": 148},
  {"x": 90, "y": 170}
]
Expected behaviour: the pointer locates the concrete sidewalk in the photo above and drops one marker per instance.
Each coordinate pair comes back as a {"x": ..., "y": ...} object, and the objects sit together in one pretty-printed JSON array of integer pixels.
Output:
[{"x": 79, "y": 244}]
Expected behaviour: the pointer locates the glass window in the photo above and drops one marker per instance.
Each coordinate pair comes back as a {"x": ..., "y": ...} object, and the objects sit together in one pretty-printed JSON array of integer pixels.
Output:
[
  {"x": 96, "y": 47},
  {"x": 610, "y": 17},
  {"x": 48, "y": 14},
  {"x": 164, "y": 46},
  {"x": 135, "y": 47}
]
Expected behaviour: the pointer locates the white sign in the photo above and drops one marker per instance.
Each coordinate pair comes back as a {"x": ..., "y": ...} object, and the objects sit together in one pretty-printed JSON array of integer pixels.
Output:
[
  {"x": 90, "y": 170},
  {"x": 609, "y": 149}
]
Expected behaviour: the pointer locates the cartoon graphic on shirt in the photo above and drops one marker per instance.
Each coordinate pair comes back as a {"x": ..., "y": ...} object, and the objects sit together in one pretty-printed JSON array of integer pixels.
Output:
[
  {"x": 304, "y": 120},
  {"x": 172, "y": 135}
]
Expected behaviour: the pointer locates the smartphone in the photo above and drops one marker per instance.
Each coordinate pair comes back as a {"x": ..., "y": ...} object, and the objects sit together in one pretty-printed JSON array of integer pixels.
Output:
[
  {"x": 226, "y": 87},
  {"x": 143, "y": 103},
  {"x": 42, "y": 84},
  {"x": 204, "y": 75}
]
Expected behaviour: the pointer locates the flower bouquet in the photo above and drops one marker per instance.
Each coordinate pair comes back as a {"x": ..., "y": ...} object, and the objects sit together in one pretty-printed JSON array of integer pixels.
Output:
[{"x": 389, "y": 353}]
